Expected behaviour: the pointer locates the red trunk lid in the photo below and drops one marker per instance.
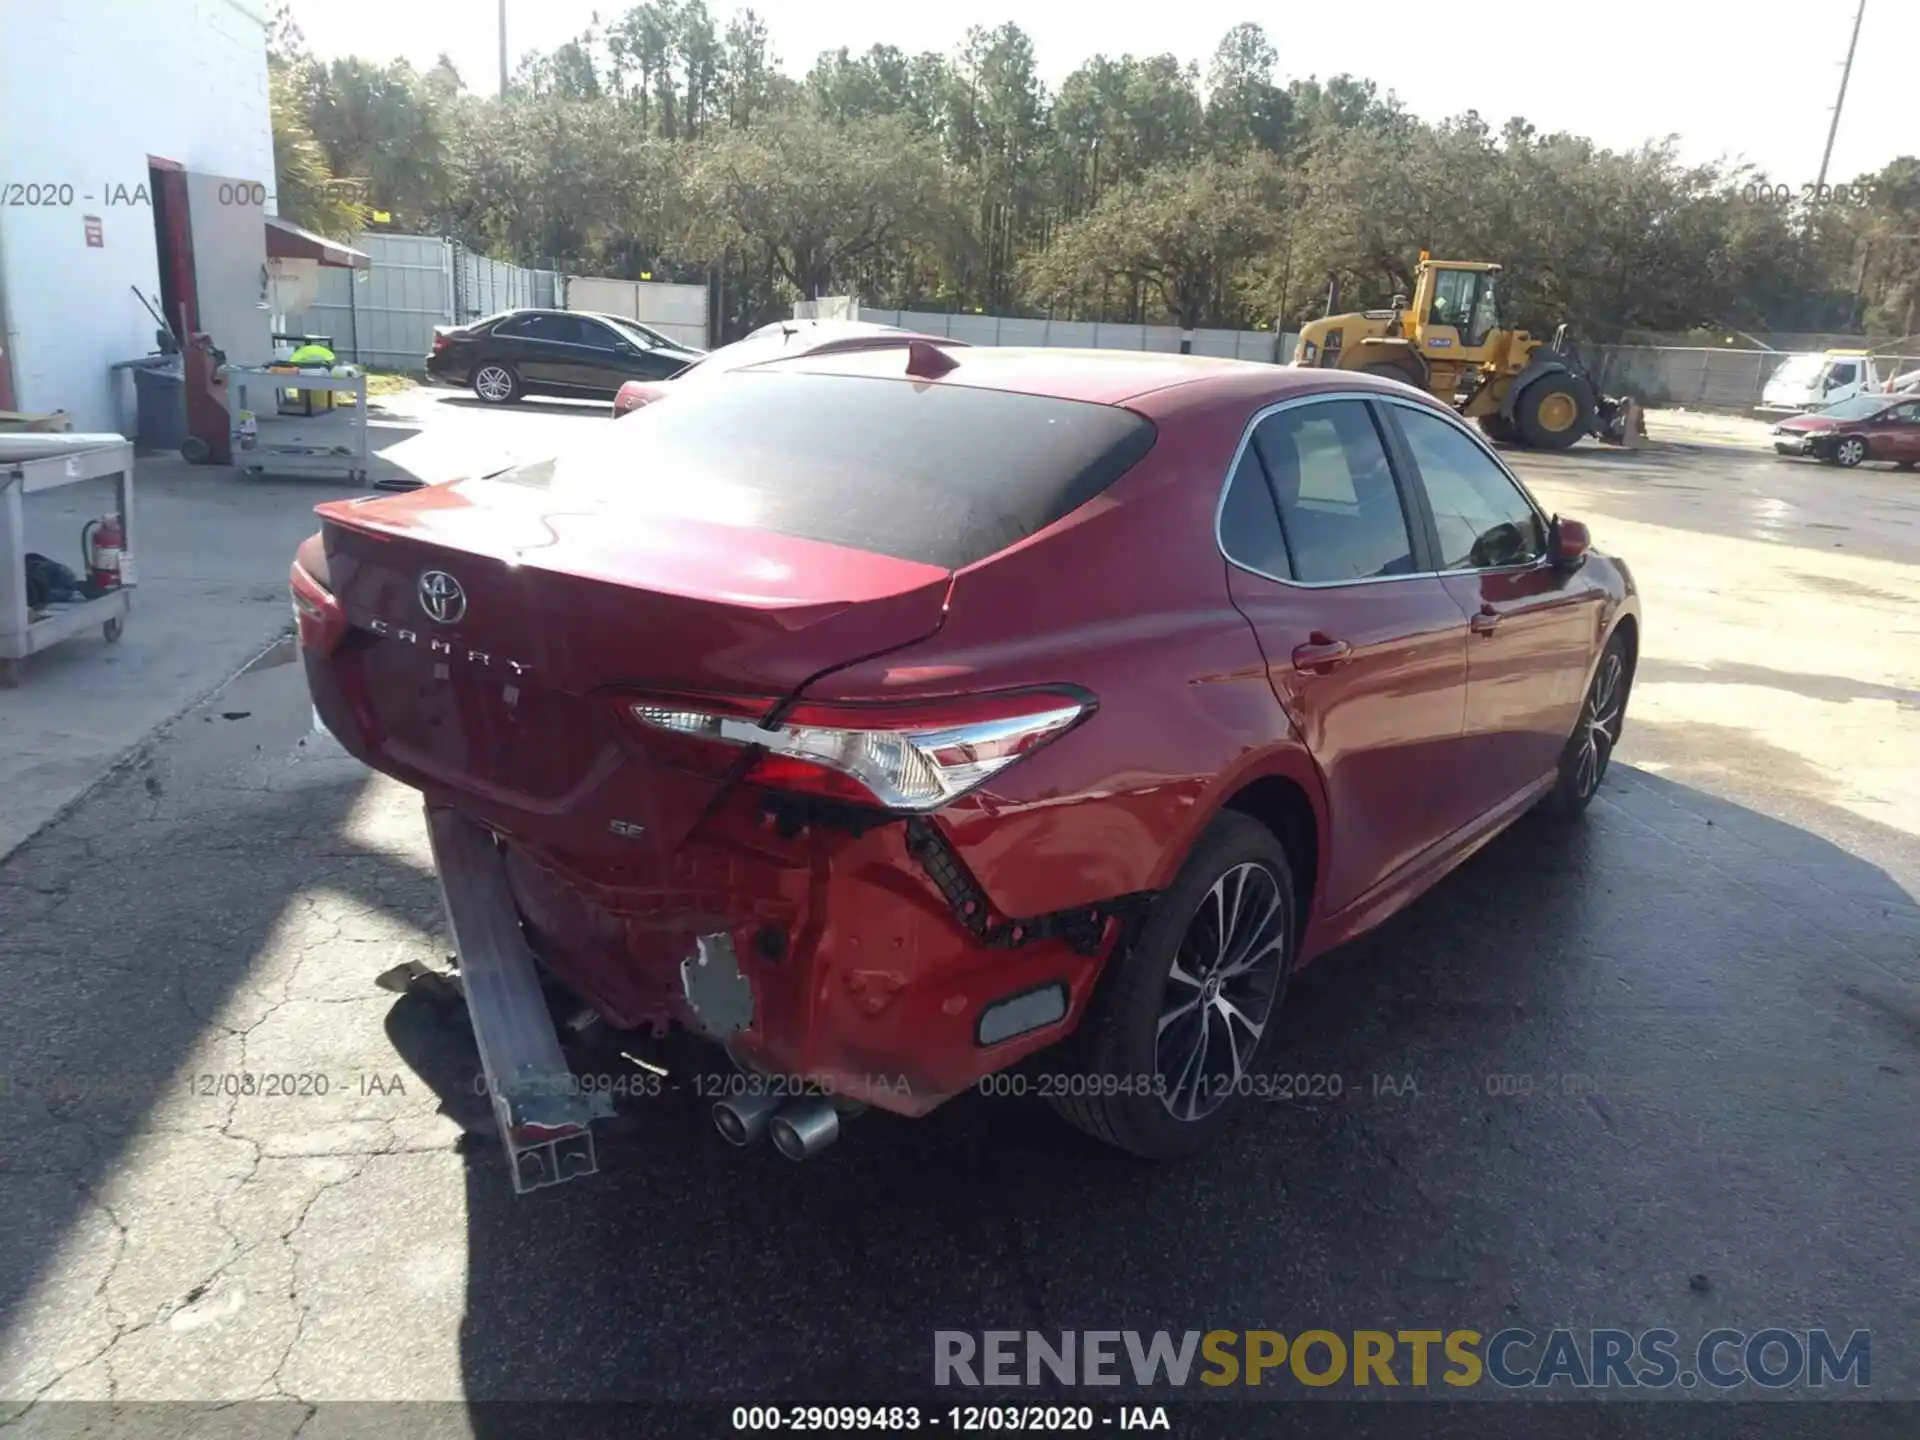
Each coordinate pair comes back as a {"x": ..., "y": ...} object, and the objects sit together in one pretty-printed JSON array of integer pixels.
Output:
[{"x": 495, "y": 626}]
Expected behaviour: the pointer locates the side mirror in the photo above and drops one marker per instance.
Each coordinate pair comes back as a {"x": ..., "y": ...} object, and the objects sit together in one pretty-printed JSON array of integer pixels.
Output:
[{"x": 1568, "y": 543}]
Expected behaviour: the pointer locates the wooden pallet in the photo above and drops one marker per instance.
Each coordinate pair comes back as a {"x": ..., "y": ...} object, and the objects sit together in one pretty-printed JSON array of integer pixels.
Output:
[{"x": 17, "y": 422}]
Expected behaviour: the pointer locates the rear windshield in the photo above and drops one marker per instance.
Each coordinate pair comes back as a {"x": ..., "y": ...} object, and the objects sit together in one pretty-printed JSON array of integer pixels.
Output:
[{"x": 942, "y": 474}]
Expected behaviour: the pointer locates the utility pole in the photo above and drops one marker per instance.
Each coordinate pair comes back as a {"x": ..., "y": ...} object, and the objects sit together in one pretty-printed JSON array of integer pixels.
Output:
[
  {"x": 1846, "y": 71},
  {"x": 503, "y": 56}
]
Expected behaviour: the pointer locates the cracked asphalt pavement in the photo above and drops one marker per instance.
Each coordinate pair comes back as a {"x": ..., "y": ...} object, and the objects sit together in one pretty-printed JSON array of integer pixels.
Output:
[{"x": 1658, "y": 1069}]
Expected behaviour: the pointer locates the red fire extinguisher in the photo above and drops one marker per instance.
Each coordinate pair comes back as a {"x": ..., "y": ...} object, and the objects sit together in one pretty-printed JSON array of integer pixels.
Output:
[{"x": 101, "y": 542}]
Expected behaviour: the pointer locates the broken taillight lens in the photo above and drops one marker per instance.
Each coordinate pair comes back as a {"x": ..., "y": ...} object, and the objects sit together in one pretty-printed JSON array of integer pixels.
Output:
[
  {"x": 317, "y": 615},
  {"x": 914, "y": 758}
]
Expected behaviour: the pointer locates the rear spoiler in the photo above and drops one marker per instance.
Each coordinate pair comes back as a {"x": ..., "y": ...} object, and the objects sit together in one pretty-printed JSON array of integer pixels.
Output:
[{"x": 882, "y": 341}]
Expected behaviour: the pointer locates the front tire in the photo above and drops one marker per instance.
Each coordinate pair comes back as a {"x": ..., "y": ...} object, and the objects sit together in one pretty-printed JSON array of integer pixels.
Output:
[
  {"x": 1849, "y": 452},
  {"x": 1589, "y": 750},
  {"x": 1183, "y": 1015},
  {"x": 1554, "y": 412},
  {"x": 1499, "y": 429},
  {"x": 496, "y": 384}
]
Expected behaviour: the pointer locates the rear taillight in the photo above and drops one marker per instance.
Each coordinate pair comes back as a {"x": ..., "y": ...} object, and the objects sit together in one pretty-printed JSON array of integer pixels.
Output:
[
  {"x": 316, "y": 613},
  {"x": 440, "y": 342},
  {"x": 900, "y": 757}
]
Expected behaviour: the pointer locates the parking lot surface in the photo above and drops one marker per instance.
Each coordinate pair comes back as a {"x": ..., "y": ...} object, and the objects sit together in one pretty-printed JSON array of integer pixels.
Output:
[{"x": 1659, "y": 1069}]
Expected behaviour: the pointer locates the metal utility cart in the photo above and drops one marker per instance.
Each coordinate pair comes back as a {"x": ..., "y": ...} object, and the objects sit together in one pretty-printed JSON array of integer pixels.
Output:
[
  {"x": 330, "y": 441},
  {"x": 31, "y": 463}
]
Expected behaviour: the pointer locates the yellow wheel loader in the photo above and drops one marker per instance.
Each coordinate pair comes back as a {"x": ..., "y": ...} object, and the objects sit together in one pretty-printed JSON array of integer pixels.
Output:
[{"x": 1450, "y": 343}]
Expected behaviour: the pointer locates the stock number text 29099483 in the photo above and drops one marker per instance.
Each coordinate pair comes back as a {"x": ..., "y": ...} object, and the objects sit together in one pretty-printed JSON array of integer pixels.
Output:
[{"x": 901, "y": 1419}]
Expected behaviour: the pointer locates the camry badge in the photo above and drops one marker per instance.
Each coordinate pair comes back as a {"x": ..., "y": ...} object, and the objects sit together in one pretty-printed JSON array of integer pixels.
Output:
[{"x": 441, "y": 597}]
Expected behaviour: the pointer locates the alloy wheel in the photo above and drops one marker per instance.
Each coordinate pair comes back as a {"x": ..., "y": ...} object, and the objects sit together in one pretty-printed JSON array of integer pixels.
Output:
[
  {"x": 1851, "y": 451},
  {"x": 1226, "y": 975},
  {"x": 1600, "y": 723},
  {"x": 494, "y": 384}
]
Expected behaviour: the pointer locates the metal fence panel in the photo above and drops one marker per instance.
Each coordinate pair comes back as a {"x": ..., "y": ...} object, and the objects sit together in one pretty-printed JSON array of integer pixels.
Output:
[
  {"x": 677, "y": 311},
  {"x": 1698, "y": 377},
  {"x": 1077, "y": 334},
  {"x": 384, "y": 315}
]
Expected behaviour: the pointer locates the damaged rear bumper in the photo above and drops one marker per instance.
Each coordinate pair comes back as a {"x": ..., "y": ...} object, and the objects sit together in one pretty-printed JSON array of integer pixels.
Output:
[
  {"x": 543, "y": 1117},
  {"x": 853, "y": 967}
]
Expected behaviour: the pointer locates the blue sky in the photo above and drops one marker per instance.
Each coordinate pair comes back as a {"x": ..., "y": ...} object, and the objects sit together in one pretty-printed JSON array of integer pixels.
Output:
[{"x": 1752, "y": 80}]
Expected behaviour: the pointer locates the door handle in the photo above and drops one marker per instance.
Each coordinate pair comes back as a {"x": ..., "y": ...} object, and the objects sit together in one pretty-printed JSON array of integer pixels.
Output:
[
  {"x": 1320, "y": 654},
  {"x": 1486, "y": 622}
]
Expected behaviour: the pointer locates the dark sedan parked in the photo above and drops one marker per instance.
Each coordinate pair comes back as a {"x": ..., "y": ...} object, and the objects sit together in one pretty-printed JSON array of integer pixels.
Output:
[
  {"x": 1864, "y": 427},
  {"x": 553, "y": 352}
]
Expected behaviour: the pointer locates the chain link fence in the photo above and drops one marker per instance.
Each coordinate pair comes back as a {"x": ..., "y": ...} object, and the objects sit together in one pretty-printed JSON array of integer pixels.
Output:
[{"x": 1700, "y": 377}]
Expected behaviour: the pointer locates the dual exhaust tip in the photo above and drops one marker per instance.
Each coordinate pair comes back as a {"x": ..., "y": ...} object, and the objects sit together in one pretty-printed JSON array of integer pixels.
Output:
[{"x": 799, "y": 1129}]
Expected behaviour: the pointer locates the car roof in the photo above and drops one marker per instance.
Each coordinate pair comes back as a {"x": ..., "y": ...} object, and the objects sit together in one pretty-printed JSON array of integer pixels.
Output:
[{"x": 1105, "y": 377}]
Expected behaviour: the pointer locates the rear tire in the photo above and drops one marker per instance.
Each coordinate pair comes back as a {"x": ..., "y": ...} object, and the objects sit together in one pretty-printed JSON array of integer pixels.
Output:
[
  {"x": 1554, "y": 412},
  {"x": 496, "y": 384},
  {"x": 1589, "y": 750},
  {"x": 1182, "y": 1016}
]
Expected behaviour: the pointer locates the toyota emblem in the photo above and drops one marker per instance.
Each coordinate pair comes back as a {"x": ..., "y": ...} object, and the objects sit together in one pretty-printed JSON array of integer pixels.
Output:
[{"x": 441, "y": 597}]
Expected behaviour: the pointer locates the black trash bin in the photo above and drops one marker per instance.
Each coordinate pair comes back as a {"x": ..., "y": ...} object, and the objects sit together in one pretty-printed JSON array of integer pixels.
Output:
[{"x": 160, "y": 402}]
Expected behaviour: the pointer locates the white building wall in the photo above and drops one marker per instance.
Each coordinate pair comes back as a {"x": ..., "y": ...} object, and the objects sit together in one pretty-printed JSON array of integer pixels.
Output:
[{"x": 88, "y": 90}]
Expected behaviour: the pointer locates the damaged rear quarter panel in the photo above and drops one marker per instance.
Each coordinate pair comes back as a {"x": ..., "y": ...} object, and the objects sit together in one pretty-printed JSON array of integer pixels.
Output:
[{"x": 1127, "y": 598}]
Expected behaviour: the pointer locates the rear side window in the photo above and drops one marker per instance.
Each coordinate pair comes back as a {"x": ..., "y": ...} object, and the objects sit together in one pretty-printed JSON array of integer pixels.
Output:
[
  {"x": 593, "y": 333},
  {"x": 1249, "y": 524},
  {"x": 942, "y": 474},
  {"x": 1339, "y": 506}
]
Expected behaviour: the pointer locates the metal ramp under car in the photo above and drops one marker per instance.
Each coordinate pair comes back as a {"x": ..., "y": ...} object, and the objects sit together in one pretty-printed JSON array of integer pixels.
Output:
[{"x": 544, "y": 1116}]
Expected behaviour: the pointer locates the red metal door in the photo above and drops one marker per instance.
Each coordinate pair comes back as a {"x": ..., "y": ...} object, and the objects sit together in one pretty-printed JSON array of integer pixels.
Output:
[
  {"x": 1374, "y": 678},
  {"x": 1896, "y": 434},
  {"x": 1534, "y": 630},
  {"x": 1367, "y": 654},
  {"x": 173, "y": 236}
]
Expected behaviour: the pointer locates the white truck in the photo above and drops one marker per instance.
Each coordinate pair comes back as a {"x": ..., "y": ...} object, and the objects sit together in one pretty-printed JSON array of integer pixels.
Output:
[{"x": 1810, "y": 382}]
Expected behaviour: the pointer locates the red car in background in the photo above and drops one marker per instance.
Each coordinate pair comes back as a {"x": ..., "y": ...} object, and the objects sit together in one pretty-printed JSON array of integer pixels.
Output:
[
  {"x": 890, "y": 714},
  {"x": 1853, "y": 431},
  {"x": 782, "y": 338}
]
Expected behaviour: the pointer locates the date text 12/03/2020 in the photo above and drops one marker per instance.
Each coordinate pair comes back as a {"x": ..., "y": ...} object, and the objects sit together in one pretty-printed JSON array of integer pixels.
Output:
[{"x": 962, "y": 1419}]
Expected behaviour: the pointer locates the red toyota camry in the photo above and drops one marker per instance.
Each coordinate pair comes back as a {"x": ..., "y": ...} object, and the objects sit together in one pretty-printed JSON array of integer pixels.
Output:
[{"x": 890, "y": 715}]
